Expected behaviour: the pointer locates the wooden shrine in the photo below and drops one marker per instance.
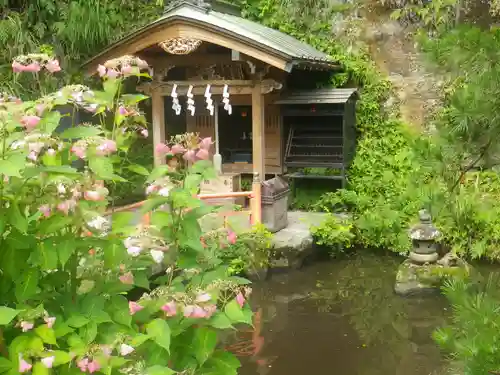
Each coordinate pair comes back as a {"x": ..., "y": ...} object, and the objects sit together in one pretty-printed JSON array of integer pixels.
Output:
[{"x": 260, "y": 122}]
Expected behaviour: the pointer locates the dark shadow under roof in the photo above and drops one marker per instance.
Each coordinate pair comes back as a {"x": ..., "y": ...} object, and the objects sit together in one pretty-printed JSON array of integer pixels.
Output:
[{"x": 318, "y": 96}]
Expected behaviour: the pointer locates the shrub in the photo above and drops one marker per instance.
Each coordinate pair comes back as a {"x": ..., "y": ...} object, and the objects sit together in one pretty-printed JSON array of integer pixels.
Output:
[{"x": 66, "y": 272}]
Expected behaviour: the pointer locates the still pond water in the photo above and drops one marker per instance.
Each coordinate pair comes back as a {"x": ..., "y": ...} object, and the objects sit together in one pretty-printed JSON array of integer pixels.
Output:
[{"x": 341, "y": 317}]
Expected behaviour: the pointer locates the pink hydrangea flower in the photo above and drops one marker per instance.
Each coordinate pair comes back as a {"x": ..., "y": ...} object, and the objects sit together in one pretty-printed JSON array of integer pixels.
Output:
[
  {"x": 126, "y": 70},
  {"x": 51, "y": 152},
  {"x": 93, "y": 366},
  {"x": 106, "y": 350},
  {"x": 34, "y": 67},
  {"x": 53, "y": 66},
  {"x": 112, "y": 73},
  {"x": 210, "y": 309},
  {"x": 83, "y": 364},
  {"x": 40, "y": 107},
  {"x": 231, "y": 237},
  {"x": 24, "y": 366},
  {"x": 79, "y": 151},
  {"x": 45, "y": 210},
  {"x": 17, "y": 67},
  {"x": 177, "y": 149},
  {"x": 240, "y": 299},
  {"x": 170, "y": 308},
  {"x": 66, "y": 206},
  {"x": 48, "y": 361},
  {"x": 203, "y": 297},
  {"x": 107, "y": 147},
  {"x": 50, "y": 320},
  {"x": 122, "y": 111},
  {"x": 127, "y": 278},
  {"x": 93, "y": 195},
  {"x": 30, "y": 121},
  {"x": 162, "y": 149},
  {"x": 202, "y": 154},
  {"x": 145, "y": 133},
  {"x": 101, "y": 69},
  {"x": 205, "y": 143},
  {"x": 189, "y": 156},
  {"x": 26, "y": 326},
  {"x": 134, "y": 307}
]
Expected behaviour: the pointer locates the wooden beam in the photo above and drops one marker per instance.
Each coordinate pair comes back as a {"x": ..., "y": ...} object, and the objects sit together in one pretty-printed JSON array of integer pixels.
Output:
[
  {"x": 236, "y": 87},
  {"x": 158, "y": 112},
  {"x": 193, "y": 59},
  {"x": 258, "y": 142}
]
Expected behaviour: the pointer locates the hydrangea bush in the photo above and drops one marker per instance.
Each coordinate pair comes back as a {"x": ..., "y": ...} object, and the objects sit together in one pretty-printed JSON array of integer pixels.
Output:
[{"x": 68, "y": 270}]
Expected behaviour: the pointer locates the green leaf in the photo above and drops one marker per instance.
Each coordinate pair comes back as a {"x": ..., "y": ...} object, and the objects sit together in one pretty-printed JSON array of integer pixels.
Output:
[
  {"x": 111, "y": 88},
  {"x": 220, "y": 321},
  {"x": 54, "y": 224},
  {"x": 50, "y": 122},
  {"x": 139, "y": 169},
  {"x": 159, "y": 330},
  {"x": 60, "y": 169},
  {"x": 141, "y": 279},
  {"x": 47, "y": 255},
  {"x": 65, "y": 250},
  {"x": 5, "y": 365},
  {"x": 222, "y": 363},
  {"x": 159, "y": 370},
  {"x": 203, "y": 345},
  {"x": 17, "y": 219},
  {"x": 120, "y": 220},
  {"x": 27, "y": 285},
  {"x": 158, "y": 172},
  {"x": 12, "y": 166},
  {"x": 7, "y": 314},
  {"x": 239, "y": 280},
  {"x": 102, "y": 166},
  {"x": 77, "y": 321},
  {"x": 80, "y": 132},
  {"x": 114, "y": 254},
  {"x": 40, "y": 369},
  {"x": 88, "y": 333},
  {"x": 61, "y": 357},
  {"x": 153, "y": 203},
  {"x": 46, "y": 334},
  {"x": 236, "y": 314},
  {"x": 139, "y": 339},
  {"x": 119, "y": 310},
  {"x": 192, "y": 182}
]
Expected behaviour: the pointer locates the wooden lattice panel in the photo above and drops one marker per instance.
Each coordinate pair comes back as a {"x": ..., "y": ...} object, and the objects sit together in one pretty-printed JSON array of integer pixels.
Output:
[{"x": 272, "y": 133}]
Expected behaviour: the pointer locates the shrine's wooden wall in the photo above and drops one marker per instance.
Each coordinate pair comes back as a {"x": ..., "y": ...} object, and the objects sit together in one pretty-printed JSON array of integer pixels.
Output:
[{"x": 204, "y": 124}]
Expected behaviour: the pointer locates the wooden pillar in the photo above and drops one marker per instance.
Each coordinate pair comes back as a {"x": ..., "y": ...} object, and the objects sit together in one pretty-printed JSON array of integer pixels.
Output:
[
  {"x": 258, "y": 149},
  {"x": 158, "y": 117}
]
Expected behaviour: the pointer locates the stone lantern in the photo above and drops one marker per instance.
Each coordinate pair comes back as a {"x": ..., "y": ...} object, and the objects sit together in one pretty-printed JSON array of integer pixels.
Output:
[{"x": 424, "y": 236}]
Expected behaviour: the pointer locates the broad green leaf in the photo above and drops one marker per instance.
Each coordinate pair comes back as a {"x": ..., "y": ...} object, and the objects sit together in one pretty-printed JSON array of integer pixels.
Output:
[
  {"x": 77, "y": 321},
  {"x": 17, "y": 219},
  {"x": 5, "y": 365},
  {"x": 40, "y": 369},
  {"x": 60, "y": 169},
  {"x": 12, "y": 166},
  {"x": 114, "y": 254},
  {"x": 46, "y": 334},
  {"x": 47, "y": 255},
  {"x": 50, "y": 122},
  {"x": 7, "y": 314},
  {"x": 111, "y": 88},
  {"x": 158, "y": 172},
  {"x": 54, "y": 224},
  {"x": 159, "y": 370},
  {"x": 139, "y": 169},
  {"x": 153, "y": 203},
  {"x": 27, "y": 285},
  {"x": 88, "y": 333},
  {"x": 220, "y": 321},
  {"x": 222, "y": 363},
  {"x": 102, "y": 166},
  {"x": 61, "y": 357},
  {"x": 192, "y": 182},
  {"x": 204, "y": 342},
  {"x": 65, "y": 250},
  {"x": 80, "y": 132},
  {"x": 159, "y": 330},
  {"x": 36, "y": 343},
  {"x": 62, "y": 329},
  {"x": 133, "y": 98},
  {"x": 141, "y": 279},
  {"x": 236, "y": 314},
  {"x": 161, "y": 219},
  {"x": 139, "y": 339},
  {"x": 120, "y": 220},
  {"x": 118, "y": 309}
]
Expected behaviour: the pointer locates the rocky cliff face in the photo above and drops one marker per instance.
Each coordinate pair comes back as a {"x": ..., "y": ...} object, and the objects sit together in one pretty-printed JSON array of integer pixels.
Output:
[{"x": 394, "y": 51}]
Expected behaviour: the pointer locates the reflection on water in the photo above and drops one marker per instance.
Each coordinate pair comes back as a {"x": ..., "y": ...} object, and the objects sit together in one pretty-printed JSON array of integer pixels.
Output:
[{"x": 341, "y": 317}]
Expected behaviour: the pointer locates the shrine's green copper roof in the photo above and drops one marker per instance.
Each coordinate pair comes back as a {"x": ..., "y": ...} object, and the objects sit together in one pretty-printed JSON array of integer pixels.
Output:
[{"x": 251, "y": 33}]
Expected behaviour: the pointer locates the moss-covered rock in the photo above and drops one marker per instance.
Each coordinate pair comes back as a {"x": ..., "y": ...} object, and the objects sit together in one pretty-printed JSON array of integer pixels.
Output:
[{"x": 413, "y": 279}]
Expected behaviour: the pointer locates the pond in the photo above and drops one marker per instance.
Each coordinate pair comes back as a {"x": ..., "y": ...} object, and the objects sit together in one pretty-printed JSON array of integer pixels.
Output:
[{"x": 341, "y": 317}]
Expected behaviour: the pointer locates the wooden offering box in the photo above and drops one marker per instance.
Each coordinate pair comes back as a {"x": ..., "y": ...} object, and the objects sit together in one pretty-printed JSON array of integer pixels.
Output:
[{"x": 223, "y": 183}]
